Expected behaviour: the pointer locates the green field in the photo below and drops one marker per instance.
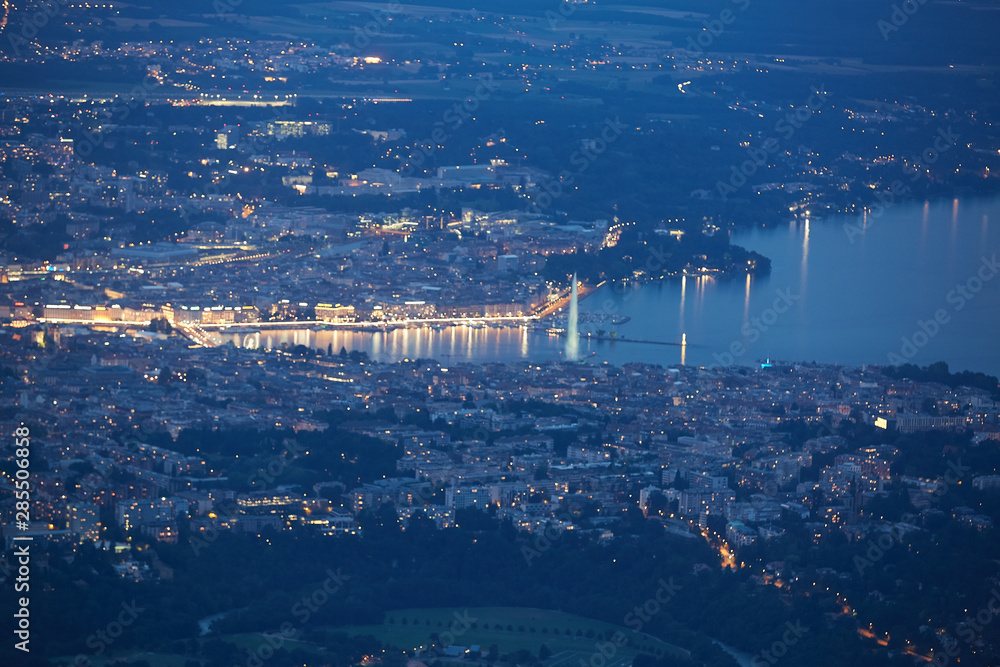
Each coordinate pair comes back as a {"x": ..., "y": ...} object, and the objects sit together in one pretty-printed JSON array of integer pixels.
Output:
[
  {"x": 570, "y": 638},
  {"x": 154, "y": 659},
  {"x": 244, "y": 641},
  {"x": 573, "y": 640}
]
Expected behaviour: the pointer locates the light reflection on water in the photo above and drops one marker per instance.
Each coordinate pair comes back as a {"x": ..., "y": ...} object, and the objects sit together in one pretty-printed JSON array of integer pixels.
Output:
[{"x": 447, "y": 344}]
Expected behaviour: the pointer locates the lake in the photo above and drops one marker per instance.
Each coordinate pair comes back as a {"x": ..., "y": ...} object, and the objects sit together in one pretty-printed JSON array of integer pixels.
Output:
[{"x": 918, "y": 283}]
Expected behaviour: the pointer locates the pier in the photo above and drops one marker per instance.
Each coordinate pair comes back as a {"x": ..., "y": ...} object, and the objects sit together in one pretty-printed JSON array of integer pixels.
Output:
[{"x": 622, "y": 339}]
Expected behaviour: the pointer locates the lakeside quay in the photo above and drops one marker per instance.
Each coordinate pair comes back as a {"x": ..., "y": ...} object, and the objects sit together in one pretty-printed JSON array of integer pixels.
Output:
[{"x": 583, "y": 291}]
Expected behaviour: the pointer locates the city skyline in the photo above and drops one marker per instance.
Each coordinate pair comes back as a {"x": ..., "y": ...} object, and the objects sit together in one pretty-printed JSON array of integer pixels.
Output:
[{"x": 557, "y": 333}]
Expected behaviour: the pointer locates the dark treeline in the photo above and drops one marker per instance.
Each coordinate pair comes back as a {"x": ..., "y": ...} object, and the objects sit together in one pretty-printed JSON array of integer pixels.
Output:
[
  {"x": 938, "y": 372},
  {"x": 636, "y": 257},
  {"x": 263, "y": 580}
]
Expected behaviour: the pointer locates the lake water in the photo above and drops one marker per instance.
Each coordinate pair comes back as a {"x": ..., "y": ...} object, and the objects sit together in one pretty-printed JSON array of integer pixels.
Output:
[{"x": 919, "y": 283}]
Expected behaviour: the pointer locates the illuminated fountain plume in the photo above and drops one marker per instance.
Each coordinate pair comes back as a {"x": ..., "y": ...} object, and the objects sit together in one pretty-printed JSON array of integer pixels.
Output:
[{"x": 572, "y": 333}]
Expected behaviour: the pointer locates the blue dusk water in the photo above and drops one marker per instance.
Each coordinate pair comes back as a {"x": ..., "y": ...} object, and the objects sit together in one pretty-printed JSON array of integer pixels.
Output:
[{"x": 917, "y": 284}]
